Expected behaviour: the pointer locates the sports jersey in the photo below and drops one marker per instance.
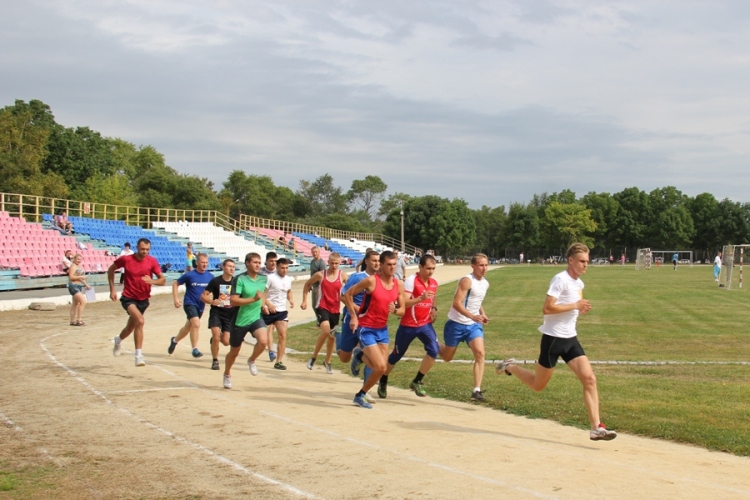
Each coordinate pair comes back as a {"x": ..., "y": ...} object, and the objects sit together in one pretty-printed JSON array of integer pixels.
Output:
[
  {"x": 195, "y": 283},
  {"x": 473, "y": 301},
  {"x": 135, "y": 270},
  {"x": 330, "y": 293},
  {"x": 246, "y": 287},
  {"x": 277, "y": 288},
  {"x": 357, "y": 299},
  {"x": 419, "y": 313},
  {"x": 565, "y": 290},
  {"x": 373, "y": 313}
]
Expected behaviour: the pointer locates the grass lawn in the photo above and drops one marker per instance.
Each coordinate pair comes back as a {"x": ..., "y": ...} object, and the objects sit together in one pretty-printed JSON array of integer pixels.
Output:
[{"x": 657, "y": 315}]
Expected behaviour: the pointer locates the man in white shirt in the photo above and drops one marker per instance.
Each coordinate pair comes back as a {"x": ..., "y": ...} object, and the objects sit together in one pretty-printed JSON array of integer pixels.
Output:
[
  {"x": 562, "y": 306},
  {"x": 125, "y": 251},
  {"x": 273, "y": 312},
  {"x": 717, "y": 266}
]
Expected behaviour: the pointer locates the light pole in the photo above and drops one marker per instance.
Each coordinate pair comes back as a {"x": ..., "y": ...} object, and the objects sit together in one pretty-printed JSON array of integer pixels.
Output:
[{"x": 401, "y": 206}]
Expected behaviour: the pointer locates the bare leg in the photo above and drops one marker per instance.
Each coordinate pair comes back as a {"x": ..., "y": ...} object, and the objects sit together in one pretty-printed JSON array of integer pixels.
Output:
[
  {"x": 269, "y": 336},
  {"x": 536, "y": 380},
  {"x": 215, "y": 339},
  {"x": 281, "y": 327},
  {"x": 260, "y": 344},
  {"x": 81, "y": 305},
  {"x": 230, "y": 359},
  {"x": 194, "y": 328},
  {"x": 183, "y": 331},
  {"x": 376, "y": 357},
  {"x": 582, "y": 368},
  {"x": 477, "y": 348},
  {"x": 325, "y": 330}
]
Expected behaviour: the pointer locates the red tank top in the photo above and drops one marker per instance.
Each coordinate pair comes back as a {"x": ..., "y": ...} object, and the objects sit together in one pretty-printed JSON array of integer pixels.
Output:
[
  {"x": 330, "y": 294},
  {"x": 373, "y": 313}
]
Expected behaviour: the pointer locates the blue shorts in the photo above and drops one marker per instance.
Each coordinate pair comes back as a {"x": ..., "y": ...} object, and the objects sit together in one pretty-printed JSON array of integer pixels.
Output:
[
  {"x": 405, "y": 335},
  {"x": 455, "y": 333},
  {"x": 75, "y": 288},
  {"x": 371, "y": 336},
  {"x": 347, "y": 340},
  {"x": 192, "y": 311}
]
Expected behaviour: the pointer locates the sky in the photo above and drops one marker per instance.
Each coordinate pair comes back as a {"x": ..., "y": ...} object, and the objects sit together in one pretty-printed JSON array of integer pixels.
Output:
[{"x": 491, "y": 102}]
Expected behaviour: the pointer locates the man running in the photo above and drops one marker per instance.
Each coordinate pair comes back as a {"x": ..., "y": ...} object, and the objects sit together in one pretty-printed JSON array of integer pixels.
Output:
[
  {"x": 139, "y": 271},
  {"x": 247, "y": 295},
  {"x": 328, "y": 308},
  {"x": 267, "y": 270},
  {"x": 217, "y": 294},
  {"x": 562, "y": 306},
  {"x": 420, "y": 290},
  {"x": 195, "y": 282},
  {"x": 347, "y": 340},
  {"x": 274, "y": 313},
  {"x": 466, "y": 320},
  {"x": 384, "y": 294}
]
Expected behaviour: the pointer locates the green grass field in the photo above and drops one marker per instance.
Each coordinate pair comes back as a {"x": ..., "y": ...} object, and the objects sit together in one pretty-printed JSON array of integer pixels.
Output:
[{"x": 644, "y": 316}]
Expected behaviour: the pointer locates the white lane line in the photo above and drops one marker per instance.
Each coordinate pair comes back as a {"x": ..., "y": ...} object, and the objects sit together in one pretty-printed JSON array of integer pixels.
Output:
[
  {"x": 168, "y": 433},
  {"x": 176, "y": 388},
  {"x": 9, "y": 422}
]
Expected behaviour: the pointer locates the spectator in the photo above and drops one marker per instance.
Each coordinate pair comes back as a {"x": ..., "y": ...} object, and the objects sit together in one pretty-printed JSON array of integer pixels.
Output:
[
  {"x": 125, "y": 251},
  {"x": 76, "y": 284},
  {"x": 62, "y": 222},
  {"x": 189, "y": 258},
  {"x": 67, "y": 260}
]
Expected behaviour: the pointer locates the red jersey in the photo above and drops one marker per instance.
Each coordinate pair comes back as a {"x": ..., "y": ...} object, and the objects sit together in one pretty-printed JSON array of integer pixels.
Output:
[
  {"x": 330, "y": 294},
  {"x": 135, "y": 270},
  {"x": 419, "y": 313},
  {"x": 373, "y": 313}
]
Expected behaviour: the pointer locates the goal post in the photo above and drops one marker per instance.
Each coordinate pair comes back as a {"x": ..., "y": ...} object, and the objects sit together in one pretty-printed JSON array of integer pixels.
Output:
[
  {"x": 733, "y": 259},
  {"x": 643, "y": 259},
  {"x": 664, "y": 257}
]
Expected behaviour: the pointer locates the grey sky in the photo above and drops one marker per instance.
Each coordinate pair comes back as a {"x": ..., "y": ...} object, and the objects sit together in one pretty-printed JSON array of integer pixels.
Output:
[{"x": 491, "y": 102}]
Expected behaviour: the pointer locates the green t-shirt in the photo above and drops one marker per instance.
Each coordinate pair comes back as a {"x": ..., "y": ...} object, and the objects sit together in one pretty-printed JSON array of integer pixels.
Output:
[{"x": 247, "y": 287}]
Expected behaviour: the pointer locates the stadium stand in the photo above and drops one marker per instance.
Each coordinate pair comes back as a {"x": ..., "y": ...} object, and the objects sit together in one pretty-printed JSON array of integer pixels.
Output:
[{"x": 216, "y": 238}]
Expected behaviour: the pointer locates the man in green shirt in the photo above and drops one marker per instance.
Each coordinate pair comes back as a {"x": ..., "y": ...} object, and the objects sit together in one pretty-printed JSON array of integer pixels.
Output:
[{"x": 247, "y": 295}]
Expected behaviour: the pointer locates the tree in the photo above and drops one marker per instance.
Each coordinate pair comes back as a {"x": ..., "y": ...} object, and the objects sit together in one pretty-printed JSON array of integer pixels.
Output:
[
  {"x": 631, "y": 224},
  {"x": 567, "y": 223},
  {"x": 704, "y": 210},
  {"x": 110, "y": 189},
  {"x": 367, "y": 193},
  {"x": 257, "y": 195},
  {"x": 522, "y": 227},
  {"x": 490, "y": 223},
  {"x": 604, "y": 210},
  {"x": 322, "y": 197},
  {"x": 671, "y": 226}
]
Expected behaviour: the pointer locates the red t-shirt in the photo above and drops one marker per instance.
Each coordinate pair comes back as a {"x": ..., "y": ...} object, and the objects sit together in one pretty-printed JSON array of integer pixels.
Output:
[
  {"x": 373, "y": 313},
  {"x": 419, "y": 313},
  {"x": 330, "y": 294},
  {"x": 135, "y": 270}
]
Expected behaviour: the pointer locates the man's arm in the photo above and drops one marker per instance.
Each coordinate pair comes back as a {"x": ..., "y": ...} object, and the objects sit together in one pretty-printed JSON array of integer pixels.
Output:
[
  {"x": 175, "y": 298},
  {"x": 367, "y": 284},
  {"x": 207, "y": 297},
  {"x": 111, "y": 279},
  {"x": 552, "y": 307},
  {"x": 401, "y": 300},
  {"x": 315, "y": 278}
]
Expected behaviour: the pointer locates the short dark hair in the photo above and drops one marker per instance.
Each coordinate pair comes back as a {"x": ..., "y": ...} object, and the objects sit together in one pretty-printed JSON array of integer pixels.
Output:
[
  {"x": 386, "y": 255},
  {"x": 425, "y": 258},
  {"x": 127, "y": 244},
  {"x": 143, "y": 240},
  {"x": 227, "y": 261},
  {"x": 251, "y": 256},
  {"x": 271, "y": 255},
  {"x": 283, "y": 261}
]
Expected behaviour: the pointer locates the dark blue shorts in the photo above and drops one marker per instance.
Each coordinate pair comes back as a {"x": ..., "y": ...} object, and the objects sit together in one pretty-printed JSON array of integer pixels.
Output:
[
  {"x": 405, "y": 335},
  {"x": 270, "y": 319},
  {"x": 192, "y": 311},
  {"x": 238, "y": 333}
]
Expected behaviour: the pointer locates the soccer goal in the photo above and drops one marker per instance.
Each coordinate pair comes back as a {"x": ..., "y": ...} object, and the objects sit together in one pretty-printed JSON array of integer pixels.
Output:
[
  {"x": 665, "y": 257},
  {"x": 643, "y": 259},
  {"x": 732, "y": 261}
]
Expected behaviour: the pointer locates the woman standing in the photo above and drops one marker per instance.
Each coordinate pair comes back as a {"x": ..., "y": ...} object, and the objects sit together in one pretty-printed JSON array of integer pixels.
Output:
[
  {"x": 190, "y": 257},
  {"x": 75, "y": 287}
]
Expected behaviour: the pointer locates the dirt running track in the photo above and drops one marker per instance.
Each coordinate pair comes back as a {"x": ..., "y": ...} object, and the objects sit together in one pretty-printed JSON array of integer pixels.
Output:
[{"x": 169, "y": 430}]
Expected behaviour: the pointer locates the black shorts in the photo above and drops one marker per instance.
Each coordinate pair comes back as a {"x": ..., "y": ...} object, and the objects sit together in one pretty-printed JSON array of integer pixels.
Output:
[
  {"x": 221, "y": 318},
  {"x": 270, "y": 319},
  {"x": 142, "y": 305},
  {"x": 553, "y": 348},
  {"x": 238, "y": 333},
  {"x": 324, "y": 315}
]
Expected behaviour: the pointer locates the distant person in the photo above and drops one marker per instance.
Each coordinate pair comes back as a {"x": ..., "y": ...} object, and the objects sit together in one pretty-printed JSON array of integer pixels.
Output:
[
  {"x": 674, "y": 261},
  {"x": 217, "y": 294},
  {"x": 140, "y": 268},
  {"x": 189, "y": 258},
  {"x": 76, "y": 284},
  {"x": 195, "y": 282},
  {"x": 400, "y": 265},
  {"x": 520, "y": 258},
  {"x": 62, "y": 222},
  {"x": 622, "y": 259},
  {"x": 316, "y": 265},
  {"x": 274, "y": 312},
  {"x": 563, "y": 305},
  {"x": 67, "y": 260},
  {"x": 125, "y": 251},
  {"x": 267, "y": 270},
  {"x": 611, "y": 259},
  {"x": 717, "y": 266}
]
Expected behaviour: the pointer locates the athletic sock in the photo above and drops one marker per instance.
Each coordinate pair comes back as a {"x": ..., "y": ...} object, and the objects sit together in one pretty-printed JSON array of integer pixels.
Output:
[
  {"x": 384, "y": 380},
  {"x": 138, "y": 352},
  {"x": 216, "y": 359},
  {"x": 360, "y": 394},
  {"x": 313, "y": 360},
  {"x": 477, "y": 389},
  {"x": 419, "y": 377},
  {"x": 368, "y": 371}
]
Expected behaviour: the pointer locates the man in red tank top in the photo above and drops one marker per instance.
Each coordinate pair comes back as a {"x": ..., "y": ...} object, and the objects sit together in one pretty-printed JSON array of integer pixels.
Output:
[
  {"x": 384, "y": 295},
  {"x": 328, "y": 307}
]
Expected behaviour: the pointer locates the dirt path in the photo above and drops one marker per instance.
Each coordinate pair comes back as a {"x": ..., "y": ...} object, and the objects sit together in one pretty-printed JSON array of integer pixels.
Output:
[{"x": 102, "y": 428}]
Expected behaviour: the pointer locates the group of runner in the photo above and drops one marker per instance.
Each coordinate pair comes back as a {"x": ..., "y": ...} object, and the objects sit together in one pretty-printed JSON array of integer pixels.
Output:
[{"x": 256, "y": 301}]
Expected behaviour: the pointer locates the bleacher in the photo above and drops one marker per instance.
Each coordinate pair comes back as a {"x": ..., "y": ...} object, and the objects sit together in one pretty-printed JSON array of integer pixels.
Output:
[
  {"x": 334, "y": 246},
  {"x": 216, "y": 238}
]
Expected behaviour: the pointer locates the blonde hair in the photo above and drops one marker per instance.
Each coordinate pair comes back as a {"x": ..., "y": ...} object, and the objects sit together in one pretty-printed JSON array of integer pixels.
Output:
[
  {"x": 475, "y": 259},
  {"x": 577, "y": 248}
]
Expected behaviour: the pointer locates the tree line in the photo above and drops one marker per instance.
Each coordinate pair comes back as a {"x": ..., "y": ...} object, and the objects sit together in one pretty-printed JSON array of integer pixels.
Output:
[{"x": 39, "y": 156}]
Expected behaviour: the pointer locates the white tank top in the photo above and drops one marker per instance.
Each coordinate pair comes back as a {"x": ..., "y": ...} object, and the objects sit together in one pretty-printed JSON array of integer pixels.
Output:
[{"x": 472, "y": 302}]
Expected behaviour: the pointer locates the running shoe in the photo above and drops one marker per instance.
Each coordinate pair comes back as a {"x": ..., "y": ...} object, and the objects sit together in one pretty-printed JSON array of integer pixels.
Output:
[
  {"x": 333, "y": 333},
  {"x": 504, "y": 364},
  {"x": 117, "y": 349},
  {"x": 253, "y": 368},
  {"x": 602, "y": 434},
  {"x": 329, "y": 368},
  {"x": 310, "y": 364},
  {"x": 478, "y": 396},
  {"x": 172, "y": 345},
  {"x": 197, "y": 353},
  {"x": 271, "y": 356},
  {"x": 382, "y": 389},
  {"x": 215, "y": 365},
  {"x": 370, "y": 399},
  {"x": 356, "y": 362},
  {"x": 418, "y": 389},
  {"x": 279, "y": 365},
  {"x": 361, "y": 401},
  {"x": 139, "y": 361},
  {"x": 227, "y": 381}
]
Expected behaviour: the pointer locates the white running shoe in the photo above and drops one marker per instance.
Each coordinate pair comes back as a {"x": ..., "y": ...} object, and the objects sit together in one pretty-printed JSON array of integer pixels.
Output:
[
  {"x": 370, "y": 399},
  {"x": 139, "y": 361},
  {"x": 602, "y": 434},
  {"x": 227, "y": 381},
  {"x": 117, "y": 349},
  {"x": 253, "y": 368},
  {"x": 502, "y": 367},
  {"x": 329, "y": 368}
]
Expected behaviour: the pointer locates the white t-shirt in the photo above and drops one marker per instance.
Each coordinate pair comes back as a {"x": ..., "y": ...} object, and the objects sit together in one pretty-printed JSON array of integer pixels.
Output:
[
  {"x": 277, "y": 288},
  {"x": 472, "y": 302},
  {"x": 567, "y": 291},
  {"x": 717, "y": 261}
]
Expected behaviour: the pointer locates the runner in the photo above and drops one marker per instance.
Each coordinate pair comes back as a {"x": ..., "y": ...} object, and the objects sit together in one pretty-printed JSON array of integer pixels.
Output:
[
  {"x": 384, "y": 294},
  {"x": 347, "y": 340},
  {"x": 139, "y": 271},
  {"x": 278, "y": 292},
  {"x": 466, "y": 320},
  {"x": 420, "y": 290},
  {"x": 195, "y": 282},
  {"x": 327, "y": 309},
  {"x": 217, "y": 294},
  {"x": 247, "y": 295},
  {"x": 267, "y": 270},
  {"x": 316, "y": 265},
  {"x": 562, "y": 306}
]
